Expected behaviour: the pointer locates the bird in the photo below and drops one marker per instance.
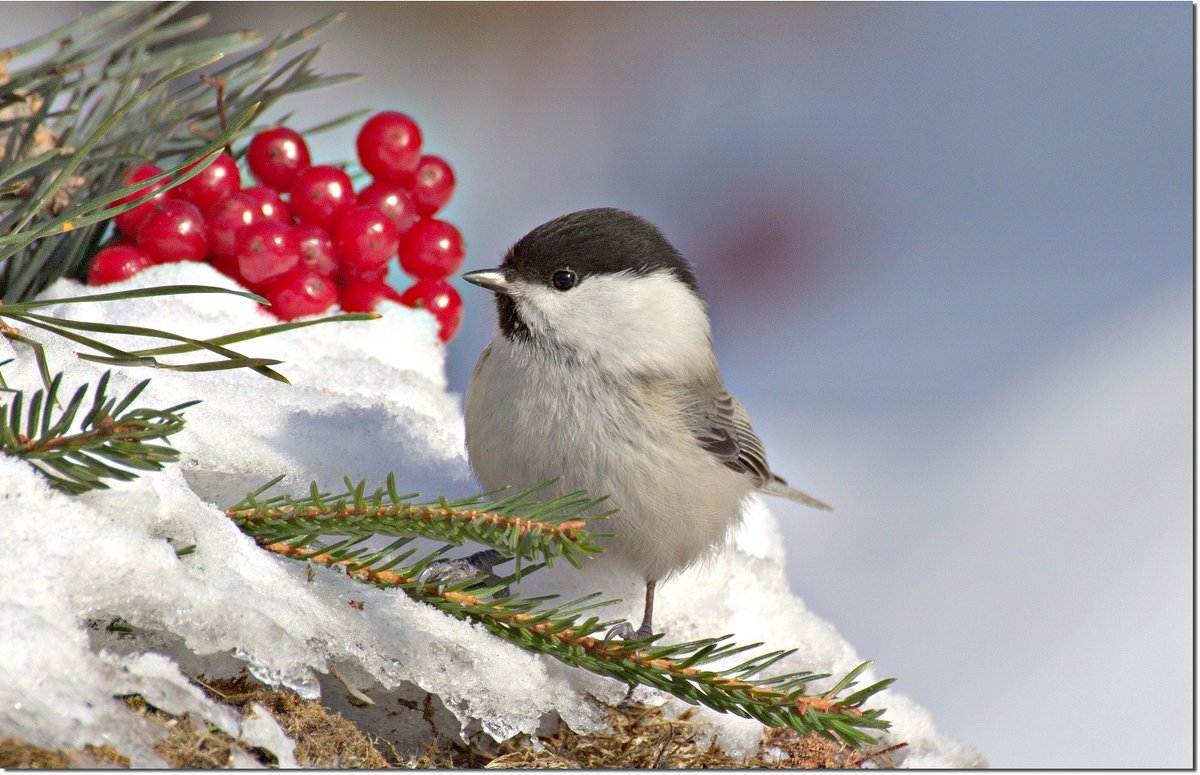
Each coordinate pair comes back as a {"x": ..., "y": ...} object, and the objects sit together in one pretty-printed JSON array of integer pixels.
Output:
[{"x": 602, "y": 377}]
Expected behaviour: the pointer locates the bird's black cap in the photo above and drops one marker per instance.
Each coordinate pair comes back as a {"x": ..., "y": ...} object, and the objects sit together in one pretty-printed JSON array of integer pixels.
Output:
[{"x": 603, "y": 240}]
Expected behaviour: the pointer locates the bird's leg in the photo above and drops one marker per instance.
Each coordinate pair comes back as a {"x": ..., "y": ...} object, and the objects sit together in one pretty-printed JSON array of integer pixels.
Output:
[
  {"x": 463, "y": 568},
  {"x": 625, "y": 630},
  {"x": 647, "y": 629}
]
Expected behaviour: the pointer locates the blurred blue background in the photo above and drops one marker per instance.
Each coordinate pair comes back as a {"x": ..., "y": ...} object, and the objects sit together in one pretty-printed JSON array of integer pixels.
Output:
[{"x": 948, "y": 250}]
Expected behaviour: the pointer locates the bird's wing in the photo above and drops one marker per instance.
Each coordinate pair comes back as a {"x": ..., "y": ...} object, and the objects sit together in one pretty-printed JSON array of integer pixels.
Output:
[{"x": 720, "y": 425}]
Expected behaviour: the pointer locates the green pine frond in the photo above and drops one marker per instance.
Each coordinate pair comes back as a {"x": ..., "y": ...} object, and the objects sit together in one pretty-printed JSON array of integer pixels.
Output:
[
  {"x": 126, "y": 84},
  {"x": 698, "y": 672},
  {"x": 517, "y": 525},
  {"x": 79, "y": 446},
  {"x": 104, "y": 352},
  {"x": 130, "y": 82}
]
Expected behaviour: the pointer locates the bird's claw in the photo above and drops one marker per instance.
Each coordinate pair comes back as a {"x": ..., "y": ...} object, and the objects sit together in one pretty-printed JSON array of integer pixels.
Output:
[
  {"x": 445, "y": 572},
  {"x": 625, "y": 631}
]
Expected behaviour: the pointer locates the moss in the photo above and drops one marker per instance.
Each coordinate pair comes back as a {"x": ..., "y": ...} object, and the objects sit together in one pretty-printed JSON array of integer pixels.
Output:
[
  {"x": 640, "y": 737},
  {"x": 324, "y": 740},
  {"x": 643, "y": 737},
  {"x": 17, "y": 755}
]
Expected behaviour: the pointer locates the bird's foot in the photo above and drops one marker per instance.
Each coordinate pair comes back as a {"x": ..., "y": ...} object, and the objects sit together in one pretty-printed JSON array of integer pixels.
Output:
[
  {"x": 445, "y": 572},
  {"x": 627, "y": 701},
  {"x": 625, "y": 631}
]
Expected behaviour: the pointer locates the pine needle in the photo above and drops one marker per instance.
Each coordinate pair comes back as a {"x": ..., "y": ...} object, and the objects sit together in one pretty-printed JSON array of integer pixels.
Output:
[{"x": 520, "y": 525}]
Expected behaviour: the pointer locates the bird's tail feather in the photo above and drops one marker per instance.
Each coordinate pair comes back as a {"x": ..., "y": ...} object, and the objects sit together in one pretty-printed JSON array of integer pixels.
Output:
[{"x": 781, "y": 488}]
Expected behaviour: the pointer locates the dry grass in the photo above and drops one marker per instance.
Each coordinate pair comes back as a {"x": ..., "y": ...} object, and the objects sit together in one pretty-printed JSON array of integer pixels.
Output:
[
  {"x": 324, "y": 740},
  {"x": 188, "y": 745},
  {"x": 641, "y": 737},
  {"x": 16, "y": 755}
]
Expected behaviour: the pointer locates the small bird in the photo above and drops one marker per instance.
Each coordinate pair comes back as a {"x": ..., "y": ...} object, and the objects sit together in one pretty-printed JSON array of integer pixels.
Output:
[{"x": 603, "y": 376}]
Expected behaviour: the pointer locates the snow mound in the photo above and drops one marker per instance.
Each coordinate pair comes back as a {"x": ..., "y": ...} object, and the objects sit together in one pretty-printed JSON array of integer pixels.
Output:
[{"x": 365, "y": 399}]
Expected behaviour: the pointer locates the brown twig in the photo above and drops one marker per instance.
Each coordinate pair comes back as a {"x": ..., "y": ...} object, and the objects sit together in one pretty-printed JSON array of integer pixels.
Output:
[
  {"x": 107, "y": 428},
  {"x": 881, "y": 752},
  {"x": 430, "y": 716},
  {"x": 423, "y": 513},
  {"x": 219, "y": 85}
]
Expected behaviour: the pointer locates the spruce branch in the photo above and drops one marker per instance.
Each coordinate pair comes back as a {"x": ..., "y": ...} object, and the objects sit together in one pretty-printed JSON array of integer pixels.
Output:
[
  {"x": 523, "y": 527},
  {"x": 100, "y": 208},
  {"x": 111, "y": 441},
  {"x": 72, "y": 162},
  {"x": 517, "y": 525},
  {"x": 25, "y": 313},
  {"x": 125, "y": 85},
  {"x": 117, "y": 86}
]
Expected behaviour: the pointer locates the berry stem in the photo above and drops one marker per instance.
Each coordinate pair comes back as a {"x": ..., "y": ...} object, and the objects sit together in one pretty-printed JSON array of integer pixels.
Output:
[{"x": 219, "y": 85}]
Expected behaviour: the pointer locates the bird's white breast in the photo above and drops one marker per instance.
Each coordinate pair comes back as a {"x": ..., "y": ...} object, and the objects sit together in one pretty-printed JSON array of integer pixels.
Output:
[{"x": 530, "y": 419}]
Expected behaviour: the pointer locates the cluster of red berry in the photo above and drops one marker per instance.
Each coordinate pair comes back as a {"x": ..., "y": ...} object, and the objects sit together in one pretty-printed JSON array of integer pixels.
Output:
[{"x": 323, "y": 244}]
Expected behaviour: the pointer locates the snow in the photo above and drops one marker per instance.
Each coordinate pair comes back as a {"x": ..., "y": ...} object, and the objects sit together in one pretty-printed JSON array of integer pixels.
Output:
[{"x": 365, "y": 399}]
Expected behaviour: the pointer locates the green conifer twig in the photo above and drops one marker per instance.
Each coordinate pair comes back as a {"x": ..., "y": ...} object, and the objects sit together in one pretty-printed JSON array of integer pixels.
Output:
[
  {"x": 24, "y": 313},
  {"x": 516, "y": 525},
  {"x": 124, "y": 86},
  {"x": 111, "y": 441},
  {"x": 676, "y": 669},
  {"x": 116, "y": 80},
  {"x": 520, "y": 526}
]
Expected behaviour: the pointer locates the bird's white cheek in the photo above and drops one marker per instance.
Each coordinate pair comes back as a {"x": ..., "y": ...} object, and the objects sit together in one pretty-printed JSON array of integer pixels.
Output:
[{"x": 627, "y": 322}]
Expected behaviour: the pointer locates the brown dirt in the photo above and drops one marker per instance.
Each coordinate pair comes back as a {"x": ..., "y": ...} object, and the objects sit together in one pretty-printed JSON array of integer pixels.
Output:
[
  {"x": 324, "y": 740},
  {"x": 641, "y": 737},
  {"x": 16, "y": 755}
]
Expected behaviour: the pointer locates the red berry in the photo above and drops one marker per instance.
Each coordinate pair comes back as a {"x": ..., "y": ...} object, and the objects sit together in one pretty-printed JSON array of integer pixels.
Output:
[
  {"x": 272, "y": 205},
  {"x": 320, "y": 194},
  {"x": 276, "y": 156},
  {"x": 227, "y": 264},
  {"x": 130, "y": 220},
  {"x": 431, "y": 249},
  {"x": 316, "y": 249},
  {"x": 365, "y": 238},
  {"x": 393, "y": 200},
  {"x": 117, "y": 262},
  {"x": 300, "y": 292},
  {"x": 440, "y": 298},
  {"x": 174, "y": 231},
  {"x": 229, "y": 216},
  {"x": 348, "y": 273},
  {"x": 389, "y": 146},
  {"x": 433, "y": 184},
  {"x": 218, "y": 180},
  {"x": 266, "y": 251},
  {"x": 359, "y": 295}
]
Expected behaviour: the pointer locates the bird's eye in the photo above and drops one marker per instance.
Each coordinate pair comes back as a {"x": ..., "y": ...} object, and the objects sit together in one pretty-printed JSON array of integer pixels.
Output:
[{"x": 563, "y": 279}]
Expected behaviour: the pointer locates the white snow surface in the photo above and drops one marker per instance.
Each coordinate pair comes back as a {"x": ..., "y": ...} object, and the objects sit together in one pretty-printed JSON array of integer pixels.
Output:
[{"x": 364, "y": 399}]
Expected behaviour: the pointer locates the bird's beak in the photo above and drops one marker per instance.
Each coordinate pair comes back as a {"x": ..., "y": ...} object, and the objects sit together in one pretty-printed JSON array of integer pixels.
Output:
[{"x": 492, "y": 279}]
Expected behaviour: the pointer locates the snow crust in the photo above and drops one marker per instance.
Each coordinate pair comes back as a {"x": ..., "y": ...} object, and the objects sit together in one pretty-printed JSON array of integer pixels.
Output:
[{"x": 365, "y": 399}]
